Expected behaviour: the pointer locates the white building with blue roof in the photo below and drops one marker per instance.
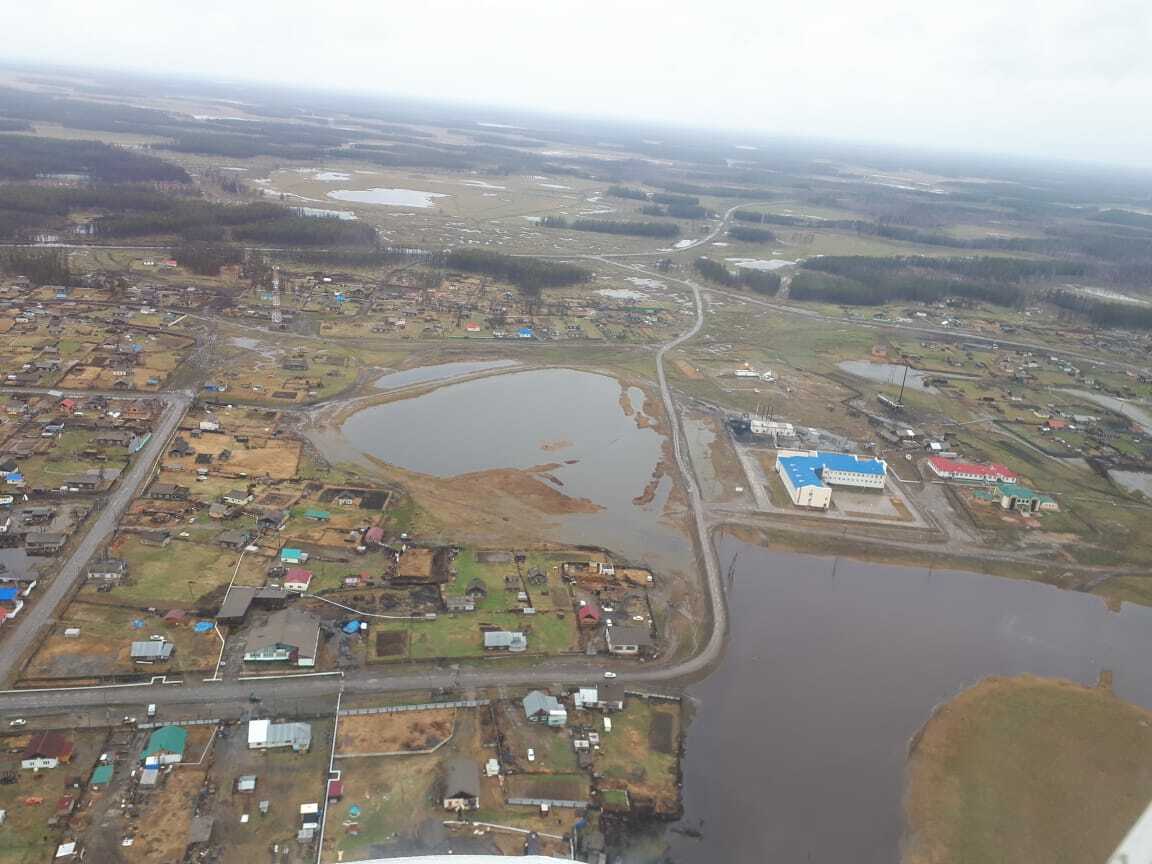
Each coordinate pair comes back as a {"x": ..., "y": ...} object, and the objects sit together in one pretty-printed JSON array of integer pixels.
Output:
[{"x": 809, "y": 475}]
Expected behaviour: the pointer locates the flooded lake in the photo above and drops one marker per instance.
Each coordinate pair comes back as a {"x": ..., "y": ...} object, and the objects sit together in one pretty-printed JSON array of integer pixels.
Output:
[
  {"x": 439, "y": 372},
  {"x": 797, "y": 748},
  {"x": 388, "y": 197},
  {"x": 885, "y": 373},
  {"x": 570, "y": 420},
  {"x": 1134, "y": 411},
  {"x": 1133, "y": 481}
]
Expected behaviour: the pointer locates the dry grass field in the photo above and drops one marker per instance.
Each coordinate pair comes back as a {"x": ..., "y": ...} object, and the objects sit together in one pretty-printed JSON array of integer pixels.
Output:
[{"x": 1027, "y": 770}]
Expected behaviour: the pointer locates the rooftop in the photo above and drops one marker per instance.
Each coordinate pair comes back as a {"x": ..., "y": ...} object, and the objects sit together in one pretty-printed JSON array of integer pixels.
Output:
[{"x": 804, "y": 470}]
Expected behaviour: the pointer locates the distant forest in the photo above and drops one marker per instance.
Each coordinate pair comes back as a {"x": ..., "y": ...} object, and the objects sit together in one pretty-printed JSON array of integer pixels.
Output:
[
  {"x": 608, "y": 226},
  {"x": 25, "y": 157},
  {"x": 869, "y": 281},
  {"x": 144, "y": 211}
]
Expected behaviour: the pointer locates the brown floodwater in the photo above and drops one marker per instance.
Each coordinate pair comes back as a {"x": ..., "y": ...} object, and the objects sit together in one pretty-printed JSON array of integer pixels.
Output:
[{"x": 797, "y": 747}]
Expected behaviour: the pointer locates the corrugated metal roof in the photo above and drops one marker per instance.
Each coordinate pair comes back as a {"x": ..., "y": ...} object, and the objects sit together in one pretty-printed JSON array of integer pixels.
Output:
[
  {"x": 152, "y": 649},
  {"x": 805, "y": 470}
]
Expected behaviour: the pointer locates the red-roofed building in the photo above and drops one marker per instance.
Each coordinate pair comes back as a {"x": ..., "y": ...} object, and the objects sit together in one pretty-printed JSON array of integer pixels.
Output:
[
  {"x": 589, "y": 613},
  {"x": 46, "y": 750},
  {"x": 68, "y": 404},
  {"x": 297, "y": 579},
  {"x": 1055, "y": 423},
  {"x": 375, "y": 534},
  {"x": 335, "y": 790},
  {"x": 950, "y": 469}
]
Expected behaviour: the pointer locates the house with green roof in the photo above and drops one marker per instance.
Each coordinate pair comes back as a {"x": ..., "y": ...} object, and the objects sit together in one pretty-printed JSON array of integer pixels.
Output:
[
  {"x": 317, "y": 515},
  {"x": 1013, "y": 496},
  {"x": 102, "y": 776},
  {"x": 166, "y": 746}
]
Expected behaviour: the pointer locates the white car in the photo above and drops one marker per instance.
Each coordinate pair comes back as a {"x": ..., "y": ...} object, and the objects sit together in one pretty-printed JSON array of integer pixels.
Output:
[
  {"x": 19, "y": 721},
  {"x": 609, "y": 674},
  {"x": 531, "y": 755}
]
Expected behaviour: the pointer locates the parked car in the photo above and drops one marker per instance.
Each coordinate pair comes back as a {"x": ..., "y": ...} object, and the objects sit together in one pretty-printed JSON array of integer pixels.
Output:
[
  {"x": 19, "y": 721},
  {"x": 531, "y": 755},
  {"x": 609, "y": 674}
]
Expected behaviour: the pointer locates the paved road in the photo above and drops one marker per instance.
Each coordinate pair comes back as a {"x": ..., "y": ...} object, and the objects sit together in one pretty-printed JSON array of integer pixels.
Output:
[{"x": 23, "y": 632}]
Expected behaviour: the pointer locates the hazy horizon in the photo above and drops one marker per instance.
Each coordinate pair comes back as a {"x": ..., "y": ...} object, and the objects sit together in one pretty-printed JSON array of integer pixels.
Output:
[{"x": 1056, "y": 81}]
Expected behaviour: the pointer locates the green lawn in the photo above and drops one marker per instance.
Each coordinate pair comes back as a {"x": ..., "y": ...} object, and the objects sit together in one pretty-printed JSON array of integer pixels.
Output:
[{"x": 176, "y": 574}]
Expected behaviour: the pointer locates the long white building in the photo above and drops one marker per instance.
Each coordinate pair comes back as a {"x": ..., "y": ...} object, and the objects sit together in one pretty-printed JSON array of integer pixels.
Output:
[{"x": 808, "y": 475}]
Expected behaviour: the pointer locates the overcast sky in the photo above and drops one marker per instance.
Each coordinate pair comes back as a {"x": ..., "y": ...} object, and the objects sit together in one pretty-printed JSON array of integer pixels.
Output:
[{"x": 1064, "y": 78}]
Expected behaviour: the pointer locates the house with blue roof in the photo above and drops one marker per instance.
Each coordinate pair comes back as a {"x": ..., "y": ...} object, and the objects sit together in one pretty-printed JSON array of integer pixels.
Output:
[
  {"x": 809, "y": 475},
  {"x": 10, "y": 603}
]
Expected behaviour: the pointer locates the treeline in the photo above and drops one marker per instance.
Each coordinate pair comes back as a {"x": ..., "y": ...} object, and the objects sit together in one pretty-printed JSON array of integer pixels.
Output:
[
  {"x": 42, "y": 266},
  {"x": 1124, "y": 217},
  {"x": 864, "y": 281},
  {"x": 142, "y": 211},
  {"x": 206, "y": 259},
  {"x": 607, "y": 226},
  {"x": 715, "y": 191},
  {"x": 28, "y": 209},
  {"x": 1003, "y": 270},
  {"x": 760, "y": 281},
  {"x": 627, "y": 192},
  {"x": 530, "y": 275},
  {"x": 751, "y": 235},
  {"x": 26, "y": 105},
  {"x": 25, "y": 157},
  {"x": 1103, "y": 313},
  {"x": 662, "y": 203}
]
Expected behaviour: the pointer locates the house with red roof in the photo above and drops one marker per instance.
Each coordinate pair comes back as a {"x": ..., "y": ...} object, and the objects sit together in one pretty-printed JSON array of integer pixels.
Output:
[
  {"x": 46, "y": 750},
  {"x": 950, "y": 469},
  {"x": 589, "y": 613},
  {"x": 297, "y": 579}
]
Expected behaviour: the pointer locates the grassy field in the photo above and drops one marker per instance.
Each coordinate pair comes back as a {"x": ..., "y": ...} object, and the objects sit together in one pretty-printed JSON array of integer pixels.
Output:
[
  {"x": 1027, "y": 770},
  {"x": 174, "y": 575},
  {"x": 641, "y": 753}
]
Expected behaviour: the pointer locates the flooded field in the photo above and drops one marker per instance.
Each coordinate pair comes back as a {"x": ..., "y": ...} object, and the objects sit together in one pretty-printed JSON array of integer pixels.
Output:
[
  {"x": 886, "y": 373},
  {"x": 1133, "y": 481},
  {"x": 797, "y": 749},
  {"x": 1134, "y": 411},
  {"x": 389, "y": 197}
]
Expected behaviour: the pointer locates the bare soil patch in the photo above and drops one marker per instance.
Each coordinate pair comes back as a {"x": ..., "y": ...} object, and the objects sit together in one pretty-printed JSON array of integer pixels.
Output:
[{"x": 404, "y": 731}]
